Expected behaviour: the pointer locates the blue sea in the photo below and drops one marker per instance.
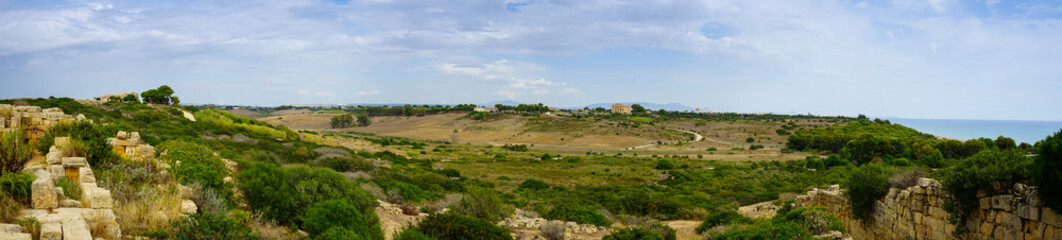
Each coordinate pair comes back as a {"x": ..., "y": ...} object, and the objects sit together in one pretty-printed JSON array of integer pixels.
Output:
[{"x": 1021, "y": 131}]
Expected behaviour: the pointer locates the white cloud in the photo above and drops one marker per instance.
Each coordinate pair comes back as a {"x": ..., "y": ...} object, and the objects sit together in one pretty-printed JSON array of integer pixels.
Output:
[
  {"x": 941, "y": 5},
  {"x": 329, "y": 94},
  {"x": 364, "y": 93},
  {"x": 516, "y": 75}
]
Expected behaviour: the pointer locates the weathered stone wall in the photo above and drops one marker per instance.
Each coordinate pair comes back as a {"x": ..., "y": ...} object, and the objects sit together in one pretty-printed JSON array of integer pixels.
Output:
[
  {"x": 32, "y": 119},
  {"x": 917, "y": 213}
]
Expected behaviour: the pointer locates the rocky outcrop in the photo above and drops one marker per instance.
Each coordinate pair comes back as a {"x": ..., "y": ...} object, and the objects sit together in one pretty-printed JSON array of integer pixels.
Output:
[
  {"x": 63, "y": 218},
  {"x": 33, "y": 120},
  {"x": 572, "y": 230},
  {"x": 129, "y": 146},
  {"x": 917, "y": 213}
]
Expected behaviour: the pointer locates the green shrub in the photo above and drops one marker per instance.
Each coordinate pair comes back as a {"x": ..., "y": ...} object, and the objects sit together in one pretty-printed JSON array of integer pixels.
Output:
[
  {"x": 210, "y": 226},
  {"x": 71, "y": 188},
  {"x": 32, "y": 226},
  {"x": 198, "y": 164},
  {"x": 578, "y": 214},
  {"x": 94, "y": 137},
  {"x": 453, "y": 226},
  {"x": 346, "y": 164},
  {"x": 17, "y": 186},
  {"x": 866, "y": 184},
  {"x": 721, "y": 218},
  {"x": 9, "y": 208},
  {"x": 450, "y": 172},
  {"x": 664, "y": 164},
  {"x": 766, "y": 230},
  {"x": 977, "y": 174},
  {"x": 341, "y": 214},
  {"x": 1047, "y": 171},
  {"x": 834, "y": 160},
  {"x": 339, "y": 233},
  {"x": 283, "y": 194},
  {"x": 534, "y": 184},
  {"x": 634, "y": 234},
  {"x": 817, "y": 220},
  {"x": 664, "y": 230},
  {"x": 483, "y": 204},
  {"x": 14, "y": 151},
  {"x": 410, "y": 233}
]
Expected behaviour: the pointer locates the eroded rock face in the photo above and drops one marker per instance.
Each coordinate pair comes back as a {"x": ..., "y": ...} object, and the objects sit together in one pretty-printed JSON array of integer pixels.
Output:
[{"x": 917, "y": 213}]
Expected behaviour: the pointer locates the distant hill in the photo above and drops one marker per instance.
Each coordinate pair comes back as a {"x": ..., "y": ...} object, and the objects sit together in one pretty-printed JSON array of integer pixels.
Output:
[{"x": 653, "y": 106}]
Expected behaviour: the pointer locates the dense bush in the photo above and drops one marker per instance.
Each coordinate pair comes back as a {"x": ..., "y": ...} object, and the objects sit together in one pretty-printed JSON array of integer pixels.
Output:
[
  {"x": 346, "y": 164},
  {"x": 484, "y": 204},
  {"x": 766, "y": 230},
  {"x": 664, "y": 164},
  {"x": 453, "y": 226},
  {"x": 17, "y": 186},
  {"x": 1047, "y": 171},
  {"x": 283, "y": 194},
  {"x": 664, "y": 230},
  {"x": 210, "y": 226},
  {"x": 534, "y": 184},
  {"x": 578, "y": 214},
  {"x": 721, "y": 218},
  {"x": 14, "y": 151},
  {"x": 9, "y": 208},
  {"x": 866, "y": 184},
  {"x": 410, "y": 233},
  {"x": 198, "y": 164},
  {"x": 341, "y": 214},
  {"x": 634, "y": 234},
  {"x": 339, "y": 233},
  {"x": 978, "y": 173},
  {"x": 816, "y": 220}
]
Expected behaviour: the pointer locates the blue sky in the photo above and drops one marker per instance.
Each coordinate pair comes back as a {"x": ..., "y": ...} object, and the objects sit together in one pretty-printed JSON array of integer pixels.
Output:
[{"x": 993, "y": 59}]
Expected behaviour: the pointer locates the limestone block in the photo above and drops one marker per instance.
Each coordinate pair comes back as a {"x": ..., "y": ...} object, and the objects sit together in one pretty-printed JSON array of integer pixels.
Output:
[
  {"x": 188, "y": 207},
  {"x": 75, "y": 229},
  {"x": 1010, "y": 225},
  {"x": 54, "y": 157},
  {"x": 80, "y": 117},
  {"x": 51, "y": 231},
  {"x": 1004, "y": 202},
  {"x": 52, "y": 110},
  {"x": 985, "y": 203},
  {"x": 43, "y": 191},
  {"x": 59, "y": 195},
  {"x": 61, "y": 142},
  {"x": 6, "y": 109},
  {"x": 1051, "y": 217},
  {"x": 134, "y": 135},
  {"x": 70, "y": 203},
  {"x": 101, "y": 199},
  {"x": 1052, "y": 233},
  {"x": 11, "y": 228},
  {"x": 147, "y": 151},
  {"x": 122, "y": 135},
  {"x": 56, "y": 171},
  {"x": 15, "y": 236},
  {"x": 86, "y": 175},
  {"x": 74, "y": 162},
  {"x": 1027, "y": 212},
  {"x": 3, "y": 121},
  {"x": 132, "y": 142}
]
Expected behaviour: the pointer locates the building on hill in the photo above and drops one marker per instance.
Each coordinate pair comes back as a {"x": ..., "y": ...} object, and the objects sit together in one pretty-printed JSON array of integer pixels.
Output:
[
  {"x": 621, "y": 108},
  {"x": 485, "y": 109},
  {"x": 119, "y": 96}
]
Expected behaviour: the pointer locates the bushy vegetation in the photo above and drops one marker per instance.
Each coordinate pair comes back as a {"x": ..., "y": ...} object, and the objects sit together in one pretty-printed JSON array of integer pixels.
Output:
[
  {"x": 453, "y": 226},
  {"x": 410, "y": 233},
  {"x": 578, "y": 214},
  {"x": 197, "y": 164},
  {"x": 800, "y": 223},
  {"x": 1046, "y": 171},
  {"x": 534, "y": 184},
  {"x": 210, "y": 226},
  {"x": 720, "y": 218},
  {"x": 484, "y": 204},
  {"x": 230, "y": 121},
  {"x": 14, "y": 151},
  {"x": 17, "y": 186},
  {"x": 664, "y": 164},
  {"x": 283, "y": 194},
  {"x": 93, "y": 136},
  {"x": 867, "y": 184},
  {"x": 71, "y": 188},
  {"x": 979, "y": 173},
  {"x": 638, "y": 233},
  {"x": 340, "y": 213}
]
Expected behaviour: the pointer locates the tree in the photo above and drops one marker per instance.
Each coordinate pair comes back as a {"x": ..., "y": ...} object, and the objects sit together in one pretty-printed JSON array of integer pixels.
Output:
[
  {"x": 161, "y": 95},
  {"x": 865, "y": 185},
  {"x": 342, "y": 121},
  {"x": 637, "y": 108},
  {"x": 130, "y": 98},
  {"x": 1047, "y": 171},
  {"x": 363, "y": 120},
  {"x": 340, "y": 213},
  {"x": 1005, "y": 143},
  {"x": 750, "y": 140},
  {"x": 175, "y": 100}
]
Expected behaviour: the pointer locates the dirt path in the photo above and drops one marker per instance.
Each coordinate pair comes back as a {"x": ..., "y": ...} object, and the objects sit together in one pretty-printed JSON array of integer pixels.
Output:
[
  {"x": 188, "y": 115},
  {"x": 697, "y": 136},
  {"x": 684, "y": 229}
]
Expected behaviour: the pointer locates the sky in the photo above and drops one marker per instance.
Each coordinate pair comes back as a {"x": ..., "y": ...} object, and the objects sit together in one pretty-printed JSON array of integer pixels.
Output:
[{"x": 940, "y": 59}]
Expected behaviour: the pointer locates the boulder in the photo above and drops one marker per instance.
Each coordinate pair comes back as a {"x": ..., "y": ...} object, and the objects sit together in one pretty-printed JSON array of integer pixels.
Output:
[
  {"x": 74, "y": 162},
  {"x": 75, "y": 229},
  {"x": 122, "y": 135},
  {"x": 188, "y": 207},
  {"x": 15, "y": 236},
  {"x": 43, "y": 191},
  {"x": 51, "y": 231},
  {"x": 70, "y": 203}
]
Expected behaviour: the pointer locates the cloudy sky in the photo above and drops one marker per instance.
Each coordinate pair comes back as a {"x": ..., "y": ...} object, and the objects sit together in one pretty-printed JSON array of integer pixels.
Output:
[{"x": 993, "y": 59}]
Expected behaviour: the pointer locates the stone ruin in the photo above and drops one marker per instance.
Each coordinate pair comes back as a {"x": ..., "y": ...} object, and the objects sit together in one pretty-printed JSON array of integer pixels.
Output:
[
  {"x": 572, "y": 230},
  {"x": 64, "y": 218},
  {"x": 32, "y": 119},
  {"x": 917, "y": 212},
  {"x": 129, "y": 146}
]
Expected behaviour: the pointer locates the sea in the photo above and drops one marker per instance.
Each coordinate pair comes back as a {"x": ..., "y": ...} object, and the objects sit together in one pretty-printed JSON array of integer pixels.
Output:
[{"x": 1021, "y": 131}]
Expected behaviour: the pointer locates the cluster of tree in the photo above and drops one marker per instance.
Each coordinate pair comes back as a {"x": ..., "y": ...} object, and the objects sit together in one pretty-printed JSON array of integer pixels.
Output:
[
  {"x": 863, "y": 140},
  {"x": 411, "y": 110},
  {"x": 162, "y": 95},
  {"x": 127, "y": 98},
  {"x": 531, "y": 108},
  {"x": 347, "y": 120}
]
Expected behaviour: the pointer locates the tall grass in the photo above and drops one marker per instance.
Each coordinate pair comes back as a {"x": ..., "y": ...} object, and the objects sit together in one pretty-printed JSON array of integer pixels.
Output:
[{"x": 14, "y": 151}]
